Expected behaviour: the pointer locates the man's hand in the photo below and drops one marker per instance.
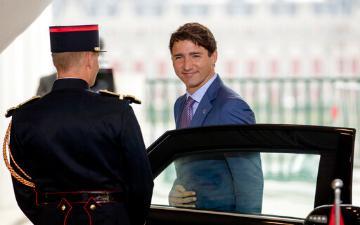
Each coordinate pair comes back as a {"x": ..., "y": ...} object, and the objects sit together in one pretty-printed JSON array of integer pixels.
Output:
[{"x": 179, "y": 197}]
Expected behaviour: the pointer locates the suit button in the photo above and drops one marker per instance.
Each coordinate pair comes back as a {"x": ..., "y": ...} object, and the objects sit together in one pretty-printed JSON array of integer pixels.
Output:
[
  {"x": 92, "y": 207},
  {"x": 63, "y": 207}
]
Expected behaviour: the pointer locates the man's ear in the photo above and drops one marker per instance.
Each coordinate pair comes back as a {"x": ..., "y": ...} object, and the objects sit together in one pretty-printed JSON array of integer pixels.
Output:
[
  {"x": 214, "y": 57},
  {"x": 87, "y": 59}
]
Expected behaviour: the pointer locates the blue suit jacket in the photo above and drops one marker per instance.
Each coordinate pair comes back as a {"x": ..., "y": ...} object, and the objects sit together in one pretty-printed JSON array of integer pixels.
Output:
[{"x": 229, "y": 181}]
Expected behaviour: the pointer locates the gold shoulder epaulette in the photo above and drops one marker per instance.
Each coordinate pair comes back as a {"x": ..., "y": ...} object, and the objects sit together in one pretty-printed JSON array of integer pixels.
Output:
[
  {"x": 109, "y": 93},
  {"x": 130, "y": 98},
  {"x": 10, "y": 111}
]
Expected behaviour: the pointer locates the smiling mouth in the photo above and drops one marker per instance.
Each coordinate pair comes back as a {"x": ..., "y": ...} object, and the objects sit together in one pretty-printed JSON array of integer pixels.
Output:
[{"x": 188, "y": 74}]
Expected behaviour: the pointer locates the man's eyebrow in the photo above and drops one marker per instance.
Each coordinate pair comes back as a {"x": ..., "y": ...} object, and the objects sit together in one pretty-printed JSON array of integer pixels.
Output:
[
  {"x": 178, "y": 54},
  {"x": 195, "y": 53},
  {"x": 191, "y": 53}
]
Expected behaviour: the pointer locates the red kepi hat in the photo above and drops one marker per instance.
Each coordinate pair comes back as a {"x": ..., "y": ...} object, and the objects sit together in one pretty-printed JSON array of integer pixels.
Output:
[{"x": 79, "y": 38}]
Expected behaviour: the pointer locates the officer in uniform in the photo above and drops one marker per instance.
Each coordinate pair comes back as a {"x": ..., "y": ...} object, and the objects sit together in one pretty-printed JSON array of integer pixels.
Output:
[{"x": 78, "y": 157}]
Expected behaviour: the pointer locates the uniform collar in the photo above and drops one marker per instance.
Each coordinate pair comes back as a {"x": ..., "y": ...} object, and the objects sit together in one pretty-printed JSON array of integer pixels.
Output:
[{"x": 70, "y": 83}]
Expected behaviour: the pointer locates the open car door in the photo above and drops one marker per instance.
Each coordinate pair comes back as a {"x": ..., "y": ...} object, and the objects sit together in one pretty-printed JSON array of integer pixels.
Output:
[{"x": 298, "y": 164}]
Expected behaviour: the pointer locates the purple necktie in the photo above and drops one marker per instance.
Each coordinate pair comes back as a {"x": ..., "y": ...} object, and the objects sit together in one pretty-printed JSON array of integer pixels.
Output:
[{"x": 187, "y": 113}]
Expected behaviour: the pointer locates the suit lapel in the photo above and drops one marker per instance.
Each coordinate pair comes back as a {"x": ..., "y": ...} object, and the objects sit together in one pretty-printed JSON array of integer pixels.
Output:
[
  {"x": 206, "y": 104},
  {"x": 178, "y": 110}
]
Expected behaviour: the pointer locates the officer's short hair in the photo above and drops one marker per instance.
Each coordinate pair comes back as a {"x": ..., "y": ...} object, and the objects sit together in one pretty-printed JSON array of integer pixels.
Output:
[
  {"x": 197, "y": 33},
  {"x": 63, "y": 61}
]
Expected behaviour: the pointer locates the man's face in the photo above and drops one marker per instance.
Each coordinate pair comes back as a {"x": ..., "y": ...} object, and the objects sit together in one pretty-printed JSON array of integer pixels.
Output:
[{"x": 192, "y": 64}]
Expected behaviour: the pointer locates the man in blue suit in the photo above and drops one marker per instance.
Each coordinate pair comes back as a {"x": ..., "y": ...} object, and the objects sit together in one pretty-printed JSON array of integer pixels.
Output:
[{"x": 224, "y": 181}]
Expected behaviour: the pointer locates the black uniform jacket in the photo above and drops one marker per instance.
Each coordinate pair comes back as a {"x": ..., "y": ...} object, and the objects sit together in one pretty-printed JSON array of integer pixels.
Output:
[{"x": 73, "y": 140}]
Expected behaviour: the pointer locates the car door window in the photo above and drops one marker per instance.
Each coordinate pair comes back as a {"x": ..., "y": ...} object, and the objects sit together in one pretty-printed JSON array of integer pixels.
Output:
[{"x": 245, "y": 182}]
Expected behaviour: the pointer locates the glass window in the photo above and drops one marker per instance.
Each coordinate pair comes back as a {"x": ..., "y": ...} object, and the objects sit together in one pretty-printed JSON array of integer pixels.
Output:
[
  {"x": 95, "y": 8},
  {"x": 247, "y": 182},
  {"x": 236, "y": 7},
  {"x": 283, "y": 8},
  {"x": 194, "y": 9},
  {"x": 149, "y": 7},
  {"x": 334, "y": 7}
]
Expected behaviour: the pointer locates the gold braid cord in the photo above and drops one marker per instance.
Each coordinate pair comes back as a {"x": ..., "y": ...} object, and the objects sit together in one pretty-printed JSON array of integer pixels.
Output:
[{"x": 13, "y": 173}]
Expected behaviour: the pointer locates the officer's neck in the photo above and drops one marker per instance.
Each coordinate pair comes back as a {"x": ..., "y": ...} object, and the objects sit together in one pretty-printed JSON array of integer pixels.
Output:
[{"x": 75, "y": 74}]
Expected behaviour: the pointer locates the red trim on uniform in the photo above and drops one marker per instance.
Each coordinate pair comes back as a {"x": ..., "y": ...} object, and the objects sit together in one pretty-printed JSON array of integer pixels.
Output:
[
  {"x": 36, "y": 198},
  {"x": 86, "y": 209},
  {"x": 68, "y": 204},
  {"x": 84, "y": 191},
  {"x": 74, "y": 28}
]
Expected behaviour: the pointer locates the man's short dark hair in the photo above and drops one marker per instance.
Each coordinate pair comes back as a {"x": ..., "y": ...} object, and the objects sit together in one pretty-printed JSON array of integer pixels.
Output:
[{"x": 197, "y": 33}]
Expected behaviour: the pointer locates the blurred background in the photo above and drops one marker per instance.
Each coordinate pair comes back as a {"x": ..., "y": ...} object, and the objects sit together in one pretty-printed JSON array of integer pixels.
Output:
[{"x": 293, "y": 61}]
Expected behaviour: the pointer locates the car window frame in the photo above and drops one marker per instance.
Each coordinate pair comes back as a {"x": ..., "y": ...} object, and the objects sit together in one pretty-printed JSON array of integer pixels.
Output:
[{"x": 335, "y": 145}]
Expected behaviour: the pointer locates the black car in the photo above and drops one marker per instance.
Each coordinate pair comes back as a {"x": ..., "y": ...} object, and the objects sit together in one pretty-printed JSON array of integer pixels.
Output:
[{"x": 299, "y": 164}]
